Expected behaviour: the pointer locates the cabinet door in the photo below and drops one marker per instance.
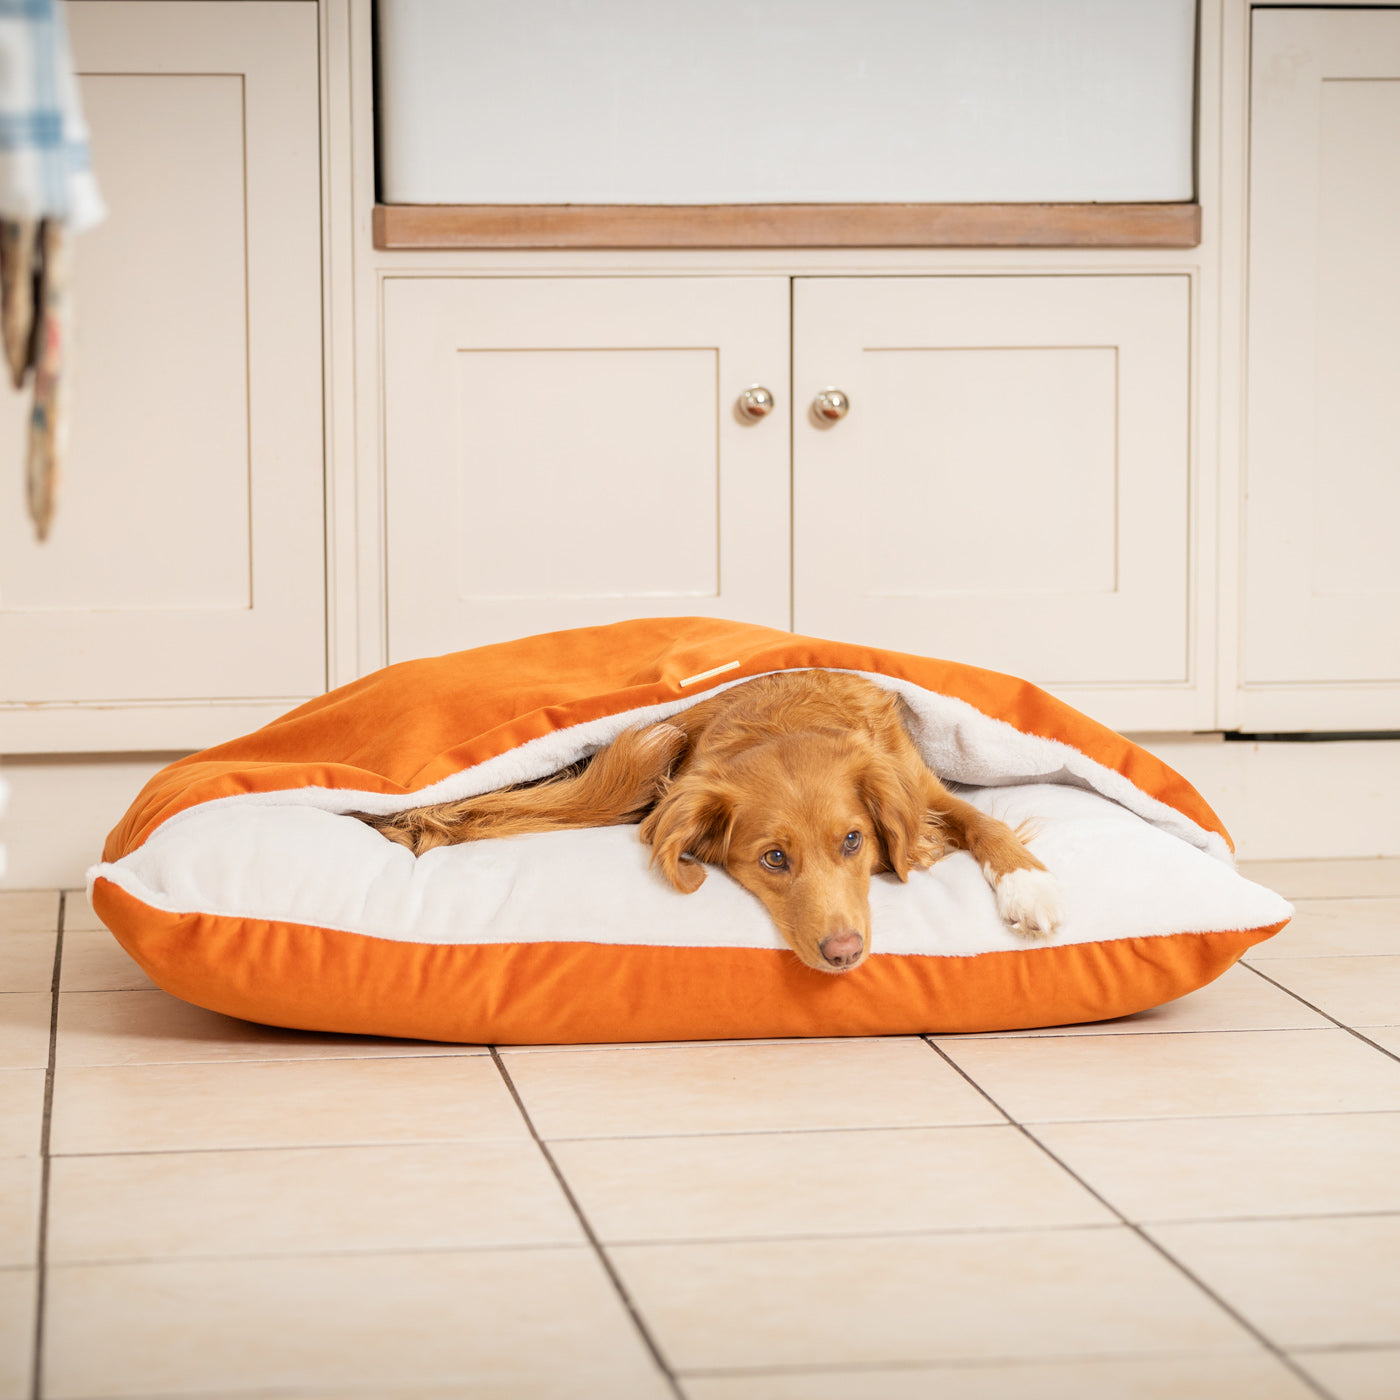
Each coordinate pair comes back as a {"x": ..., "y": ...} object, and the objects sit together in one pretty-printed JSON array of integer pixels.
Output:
[
  {"x": 1322, "y": 493},
  {"x": 1010, "y": 485},
  {"x": 567, "y": 452},
  {"x": 186, "y": 559}
]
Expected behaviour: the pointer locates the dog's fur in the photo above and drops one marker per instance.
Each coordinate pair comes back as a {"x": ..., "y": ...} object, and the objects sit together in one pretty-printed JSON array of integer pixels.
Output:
[{"x": 801, "y": 784}]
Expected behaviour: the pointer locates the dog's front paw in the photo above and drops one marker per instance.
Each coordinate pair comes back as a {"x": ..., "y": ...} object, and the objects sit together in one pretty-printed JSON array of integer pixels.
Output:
[{"x": 1030, "y": 902}]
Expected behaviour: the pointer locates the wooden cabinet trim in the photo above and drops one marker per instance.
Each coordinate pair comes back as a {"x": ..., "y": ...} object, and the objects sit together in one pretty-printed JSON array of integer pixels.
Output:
[{"x": 451, "y": 226}]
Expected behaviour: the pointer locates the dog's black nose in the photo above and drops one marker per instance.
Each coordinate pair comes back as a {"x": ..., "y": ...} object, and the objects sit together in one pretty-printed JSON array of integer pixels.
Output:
[{"x": 842, "y": 949}]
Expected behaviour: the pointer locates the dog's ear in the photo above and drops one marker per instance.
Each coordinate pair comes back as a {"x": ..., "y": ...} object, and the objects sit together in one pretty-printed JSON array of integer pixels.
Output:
[
  {"x": 896, "y": 804},
  {"x": 695, "y": 819}
]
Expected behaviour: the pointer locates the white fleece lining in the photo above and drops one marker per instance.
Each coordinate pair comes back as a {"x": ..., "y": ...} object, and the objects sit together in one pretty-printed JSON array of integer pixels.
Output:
[
  {"x": 1121, "y": 877},
  {"x": 960, "y": 743},
  {"x": 1129, "y": 864}
]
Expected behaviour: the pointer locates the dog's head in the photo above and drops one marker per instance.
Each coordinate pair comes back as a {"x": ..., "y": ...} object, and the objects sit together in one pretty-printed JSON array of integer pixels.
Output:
[{"x": 802, "y": 821}]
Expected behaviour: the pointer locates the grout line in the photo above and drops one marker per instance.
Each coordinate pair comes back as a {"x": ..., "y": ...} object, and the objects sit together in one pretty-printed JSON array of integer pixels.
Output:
[
  {"x": 632, "y": 1310},
  {"x": 1248, "y": 960},
  {"x": 1340, "y": 1025},
  {"x": 375, "y": 1144},
  {"x": 604, "y": 1047},
  {"x": 1332, "y": 1348},
  {"x": 948, "y": 1367},
  {"x": 370, "y": 1144},
  {"x": 1261, "y": 1337},
  {"x": 357, "y": 1145},
  {"x": 922, "y": 1232},
  {"x": 943, "y": 1369},
  {"x": 370, "y": 1252},
  {"x": 270, "y": 1060},
  {"x": 693, "y": 1242},
  {"x": 42, "y": 1243},
  {"x": 774, "y": 1132},
  {"x": 981, "y": 1037}
]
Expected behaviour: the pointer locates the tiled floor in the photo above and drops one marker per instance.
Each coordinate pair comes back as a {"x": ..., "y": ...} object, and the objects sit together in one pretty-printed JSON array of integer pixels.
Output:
[{"x": 1199, "y": 1202}]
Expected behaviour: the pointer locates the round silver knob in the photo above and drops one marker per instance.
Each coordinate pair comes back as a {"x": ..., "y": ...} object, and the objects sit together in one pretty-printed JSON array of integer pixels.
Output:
[
  {"x": 831, "y": 406},
  {"x": 755, "y": 402}
]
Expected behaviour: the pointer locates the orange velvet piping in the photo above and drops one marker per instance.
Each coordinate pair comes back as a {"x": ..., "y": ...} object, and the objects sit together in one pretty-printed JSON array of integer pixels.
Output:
[{"x": 407, "y": 726}]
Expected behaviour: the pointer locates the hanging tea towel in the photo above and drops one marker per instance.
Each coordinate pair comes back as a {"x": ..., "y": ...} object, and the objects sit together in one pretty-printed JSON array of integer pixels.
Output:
[{"x": 47, "y": 193}]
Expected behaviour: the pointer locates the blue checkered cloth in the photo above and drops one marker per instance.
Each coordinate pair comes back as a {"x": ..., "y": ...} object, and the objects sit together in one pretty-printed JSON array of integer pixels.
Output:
[{"x": 45, "y": 167}]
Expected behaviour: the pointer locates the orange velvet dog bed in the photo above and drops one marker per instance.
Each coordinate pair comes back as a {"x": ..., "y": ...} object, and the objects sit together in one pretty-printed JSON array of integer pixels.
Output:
[{"x": 237, "y": 881}]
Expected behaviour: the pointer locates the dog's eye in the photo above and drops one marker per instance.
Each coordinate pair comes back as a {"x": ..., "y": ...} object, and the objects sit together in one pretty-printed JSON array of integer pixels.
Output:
[
  {"x": 774, "y": 860},
  {"x": 853, "y": 840}
]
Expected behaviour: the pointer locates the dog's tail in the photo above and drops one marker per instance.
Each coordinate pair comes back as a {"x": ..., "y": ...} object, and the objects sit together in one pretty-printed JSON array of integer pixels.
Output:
[{"x": 617, "y": 786}]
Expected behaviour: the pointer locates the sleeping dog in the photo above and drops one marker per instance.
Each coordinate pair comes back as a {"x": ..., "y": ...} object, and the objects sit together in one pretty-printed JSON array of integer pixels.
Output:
[{"x": 801, "y": 785}]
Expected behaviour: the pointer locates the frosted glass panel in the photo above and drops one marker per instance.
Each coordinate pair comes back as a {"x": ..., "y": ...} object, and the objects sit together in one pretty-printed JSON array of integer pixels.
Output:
[{"x": 753, "y": 101}]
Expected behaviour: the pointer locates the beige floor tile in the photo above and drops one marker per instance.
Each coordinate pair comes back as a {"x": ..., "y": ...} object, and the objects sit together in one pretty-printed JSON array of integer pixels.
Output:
[
  {"x": 1322, "y": 879},
  {"x": 19, "y": 1211},
  {"x": 93, "y": 961},
  {"x": 21, "y": 1111},
  {"x": 144, "y": 1028},
  {"x": 1357, "y": 991},
  {"x": 762, "y": 1185},
  {"x": 1355, "y": 1375},
  {"x": 1234, "y": 1168},
  {"x": 17, "y": 1301},
  {"x": 544, "y": 1321},
  {"x": 297, "y": 1103},
  {"x": 787, "y": 1086},
  {"x": 1325, "y": 928},
  {"x": 25, "y": 1019},
  {"x": 78, "y": 913},
  {"x": 28, "y": 911},
  {"x": 1304, "y": 1283},
  {"x": 1388, "y": 1037},
  {"x": 1239, "y": 1000},
  {"x": 332, "y": 1200},
  {"x": 918, "y": 1298},
  {"x": 26, "y": 962},
  {"x": 1208, "y": 1075},
  {"x": 1143, "y": 1378}
]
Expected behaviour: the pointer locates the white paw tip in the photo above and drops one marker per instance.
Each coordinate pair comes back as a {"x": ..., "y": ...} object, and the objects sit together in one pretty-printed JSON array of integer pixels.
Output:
[{"x": 1029, "y": 901}]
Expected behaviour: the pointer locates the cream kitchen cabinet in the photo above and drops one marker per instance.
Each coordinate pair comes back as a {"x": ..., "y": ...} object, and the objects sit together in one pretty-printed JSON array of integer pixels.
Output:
[
  {"x": 1010, "y": 486},
  {"x": 1320, "y": 645},
  {"x": 563, "y": 452},
  {"x": 181, "y": 595}
]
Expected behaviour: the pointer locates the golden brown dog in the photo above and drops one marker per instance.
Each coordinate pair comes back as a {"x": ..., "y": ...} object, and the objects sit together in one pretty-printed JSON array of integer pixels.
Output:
[{"x": 801, "y": 784}]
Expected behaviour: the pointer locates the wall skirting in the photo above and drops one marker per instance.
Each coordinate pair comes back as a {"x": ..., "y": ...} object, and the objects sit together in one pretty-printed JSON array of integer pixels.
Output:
[
  {"x": 1292, "y": 801},
  {"x": 61, "y": 808}
]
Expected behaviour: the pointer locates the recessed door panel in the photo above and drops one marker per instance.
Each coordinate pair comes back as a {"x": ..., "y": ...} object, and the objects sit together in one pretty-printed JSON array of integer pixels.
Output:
[
  {"x": 185, "y": 561},
  {"x": 1062, "y": 432},
  {"x": 652, "y": 515},
  {"x": 1010, "y": 486},
  {"x": 567, "y": 452},
  {"x": 1322, "y": 472}
]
